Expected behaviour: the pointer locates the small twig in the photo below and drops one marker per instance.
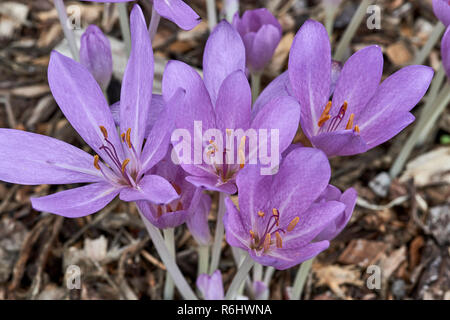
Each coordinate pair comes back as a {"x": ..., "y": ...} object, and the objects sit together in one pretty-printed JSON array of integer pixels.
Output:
[
  {"x": 147, "y": 256},
  {"x": 6, "y": 100},
  {"x": 8, "y": 197}
]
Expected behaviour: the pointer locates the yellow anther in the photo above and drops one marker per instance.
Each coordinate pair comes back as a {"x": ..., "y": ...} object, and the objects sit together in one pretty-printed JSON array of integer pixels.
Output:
[
  {"x": 325, "y": 114},
  {"x": 104, "y": 132},
  {"x": 356, "y": 128},
  {"x": 261, "y": 214},
  {"x": 293, "y": 223},
  {"x": 124, "y": 164},
  {"x": 123, "y": 137},
  {"x": 242, "y": 152},
  {"x": 229, "y": 132},
  {"x": 128, "y": 137},
  {"x": 279, "y": 240},
  {"x": 252, "y": 234},
  {"x": 344, "y": 106},
  {"x": 350, "y": 122},
  {"x": 276, "y": 213},
  {"x": 96, "y": 160},
  {"x": 267, "y": 242}
]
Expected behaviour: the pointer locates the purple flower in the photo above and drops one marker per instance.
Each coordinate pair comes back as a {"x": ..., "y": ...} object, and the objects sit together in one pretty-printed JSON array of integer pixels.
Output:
[
  {"x": 211, "y": 286},
  {"x": 441, "y": 9},
  {"x": 198, "y": 221},
  {"x": 222, "y": 101},
  {"x": 174, "y": 10},
  {"x": 281, "y": 216},
  {"x": 261, "y": 33},
  {"x": 96, "y": 56},
  {"x": 191, "y": 201},
  {"x": 260, "y": 290},
  {"x": 445, "y": 51},
  {"x": 362, "y": 113},
  {"x": 34, "y": 159}
]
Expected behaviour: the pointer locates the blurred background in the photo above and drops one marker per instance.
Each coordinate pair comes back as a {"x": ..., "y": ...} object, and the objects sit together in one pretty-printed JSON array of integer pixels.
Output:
[{"x": 401, "y": 226}]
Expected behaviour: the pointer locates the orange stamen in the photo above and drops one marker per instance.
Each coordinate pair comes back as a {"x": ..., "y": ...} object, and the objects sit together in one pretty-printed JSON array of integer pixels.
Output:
[
  {"x": 104, "y": 132},
  {"x": 128, "y": 137},
  {"x": 124, "y": 164},
  {"x": 325, "y": 114},
  {"x": 96, "y": 159},
  {"x": 267, "y": 242},
  {"x": 279, "y": 240},
  {"x": 123, "y": 137},
  {"x": 357, "y": 128},
  {"x": 261, "y": 214},
  {"x": 293, "y": 223},
  {"x": 252, "y": 234},
  {"x": 350, "y": 122},
  {"x": 276, "y": 213}
]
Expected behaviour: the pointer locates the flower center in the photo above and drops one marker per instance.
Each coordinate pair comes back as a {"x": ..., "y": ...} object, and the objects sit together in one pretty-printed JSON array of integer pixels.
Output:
[
  {"x": 174, "y": 206},
  {"x": 126, "y": 176},
  {"x": 272, "y": 231},
  {"x": 334, "y": 123}
]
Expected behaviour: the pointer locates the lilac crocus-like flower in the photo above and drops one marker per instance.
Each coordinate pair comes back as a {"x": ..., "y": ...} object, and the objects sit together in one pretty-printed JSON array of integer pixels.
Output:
[
  {"x": 198, "y": 221},
  {"x": 222, "y": 101},
  {"x": 441, "y": 9},
  {"x": 261, "y": 33},
  {"x": 211, "y": 286},
  {"x": 174, "y": 10},
  {"x": 362, "y": 113},
  {"x": 96, "y": 56},
  {"x": 33, "y": 159},
  {"x": 191, "y": 204},
  {"x": 445, "y": 51},
  {"x": 281, "y": 217}
]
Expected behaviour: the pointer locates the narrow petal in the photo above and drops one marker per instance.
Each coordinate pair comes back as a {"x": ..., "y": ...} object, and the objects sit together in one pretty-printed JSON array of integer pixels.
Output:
[
  {"x": 340, "y": 143},
  {"x": 198, "y": 221},
  {"x": 303, "y": 176},
  {"x": 237, "y": 235},
  {"x": 234, "y": 102},
  {"x": 178, "y": 12},
  {"x": 152, "y": 188},
  {"x": 212, "y": 183},
  {"x": 358, "y": 81},
  {"x": 283, "y": 259},
  {"x": 310, "y": 72},
  {"x": 224, "y": 54},
  {"x": 266, "y": 41},
  {"x": 32, "y": 159},
  {"x": 81, "y": 100},
  {"x": 137, "y": 83},
  {"x": 78, "y": 202},
  {"x": 395, "y": 97},
  {"x": 279, "y": 87}
]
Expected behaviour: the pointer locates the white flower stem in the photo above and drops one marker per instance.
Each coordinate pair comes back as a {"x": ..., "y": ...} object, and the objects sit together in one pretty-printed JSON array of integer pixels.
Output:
[
  {"x": 124, "y": 25},
  {"x": 256, "y": 85},
  {"x": 169, "y": 238},
  {"x": 203, "y": 259},
  {"x": 168, "y": 260},
  {"x": 350, "y": 32},
  {"x": 421, "y": 56},
  {"x": 68, "y": 33},
  {"x": 257, "y": 272},
  {"x": 240, "y": 277},
  {"x": 218, "y": 237},
  {"x": 231, "y": 7},
  {"x": 268, "y": 275},
  {"x": 330, "y": 15},
  {"x": 154, "y": 23},
  {"x": 300, "y": 279},
  {"x": 212, "y": 14},
  {"x": 430, "y": 114}
]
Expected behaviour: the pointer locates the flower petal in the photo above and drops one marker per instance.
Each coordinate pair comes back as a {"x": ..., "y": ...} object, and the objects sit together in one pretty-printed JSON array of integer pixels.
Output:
[
  {"x": 224, "y": 54},
  {"x": 32, "y": 159},
  {"x": 234, "y": 102},
  {"x": 237, "y": 235},
  {"x": 211, "y": 287},
  {"x": 198, "y": 221},
  {"x": 152, "y": 188},
  {"x": 358, "y": 81},
  {"x": 178, "y": 12},
  {"x": 82, "y": 102},
  {"x": 78, "y": 202},
  {"x": 340, "y": 143},
  {"x": 310, "y": 72},
  {"x": 137, "y": 83},
  {"x": 166, "y": 220},
  {"x": 441, "y": 9},
  {"x": 279, "y": 87},
  {"x": 211, "y": 182},
  {"x": 266, "y": 41}
]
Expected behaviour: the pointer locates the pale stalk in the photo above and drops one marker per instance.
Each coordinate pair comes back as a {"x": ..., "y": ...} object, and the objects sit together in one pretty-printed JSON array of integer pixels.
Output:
[
  {"x": 268, "y": 275},
  {"x": 256, "y": 85},
  {"x": 231, "y": 7},
  {"x": 240, "y": 277},
  {"x": 218, "y": 236},
  {"x": 68, "y": 33},
  {"x": 423, "y": 126},
  {"x": 257, "y": 272},
  {"x": 154, "y": 23},
  {"x": 436, "y": 34},
  {"x": 212, "y": 14},
  {"x": 330, "y": 15},
  {"x": 168, "y": 260},
  {"x": 203, "y": 259},
  {"x": 124, "y": 26},
  {"x": 169, "y": 238},
  {"x": 300, "y": 279},
  {"x": 350, "y": 32}
]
